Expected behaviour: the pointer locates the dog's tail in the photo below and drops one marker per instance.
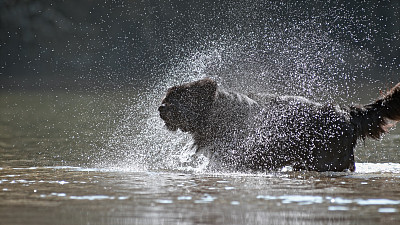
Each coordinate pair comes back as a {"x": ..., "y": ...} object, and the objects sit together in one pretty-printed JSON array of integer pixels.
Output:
[{"x": 373, "y": 120}]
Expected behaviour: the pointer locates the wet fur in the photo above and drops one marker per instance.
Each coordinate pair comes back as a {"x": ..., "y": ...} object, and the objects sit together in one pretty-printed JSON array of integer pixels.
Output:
[{"x": 261, "y": 132}]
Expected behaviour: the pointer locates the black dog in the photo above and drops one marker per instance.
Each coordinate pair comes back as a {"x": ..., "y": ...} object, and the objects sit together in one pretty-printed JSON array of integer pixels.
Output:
[{"x": 261, "y": 132}]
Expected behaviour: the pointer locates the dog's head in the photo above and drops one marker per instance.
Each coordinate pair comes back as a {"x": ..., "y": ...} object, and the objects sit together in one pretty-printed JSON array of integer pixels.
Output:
[{"x": 186, "y": 106}]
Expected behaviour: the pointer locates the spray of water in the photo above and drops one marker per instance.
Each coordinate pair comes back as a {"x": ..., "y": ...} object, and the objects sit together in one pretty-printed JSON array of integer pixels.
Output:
[{"x": 285, "y": 58}]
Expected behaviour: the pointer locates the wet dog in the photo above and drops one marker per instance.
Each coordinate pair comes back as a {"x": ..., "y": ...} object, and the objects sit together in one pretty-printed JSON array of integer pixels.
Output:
[{"x": 263, "y": 132}]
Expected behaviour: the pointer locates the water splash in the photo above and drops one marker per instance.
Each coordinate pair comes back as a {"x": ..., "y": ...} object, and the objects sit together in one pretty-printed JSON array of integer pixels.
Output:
[{"x": 286, "y": 57}]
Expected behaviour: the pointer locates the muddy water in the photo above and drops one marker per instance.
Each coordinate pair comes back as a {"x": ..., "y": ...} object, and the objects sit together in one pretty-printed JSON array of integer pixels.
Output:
[{"x": 50, "y": 174}]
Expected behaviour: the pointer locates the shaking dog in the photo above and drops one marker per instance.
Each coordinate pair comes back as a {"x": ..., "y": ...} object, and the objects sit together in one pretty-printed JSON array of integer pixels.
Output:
[{"x": 263, "y": 132}]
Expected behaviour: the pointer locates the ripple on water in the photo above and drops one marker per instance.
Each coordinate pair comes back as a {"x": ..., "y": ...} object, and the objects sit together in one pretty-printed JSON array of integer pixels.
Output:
[
  {"x": 311, "y": 199},
  {"x": 378, "y": 168},
  {"x": 338, "y": 208},
  {"x": 206, "y": 199},
  {"x": 84, "y": 197},
  {"x": 387, "y": 210}
]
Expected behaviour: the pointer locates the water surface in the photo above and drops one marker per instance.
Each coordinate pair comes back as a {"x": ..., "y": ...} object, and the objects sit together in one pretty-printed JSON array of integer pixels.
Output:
[{"x": 74, "y": 195}]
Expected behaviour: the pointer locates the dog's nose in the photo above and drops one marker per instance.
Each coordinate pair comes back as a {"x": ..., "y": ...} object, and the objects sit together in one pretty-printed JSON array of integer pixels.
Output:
[{"x": 162, "y": 108}]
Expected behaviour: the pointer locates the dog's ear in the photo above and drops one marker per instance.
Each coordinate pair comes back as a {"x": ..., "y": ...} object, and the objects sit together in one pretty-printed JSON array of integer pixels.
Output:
[{"x": 204, "y": 89}]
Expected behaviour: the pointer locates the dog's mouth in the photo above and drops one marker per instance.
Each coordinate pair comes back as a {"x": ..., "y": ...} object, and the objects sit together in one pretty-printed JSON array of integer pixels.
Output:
[{"x": 170, "y": 127}]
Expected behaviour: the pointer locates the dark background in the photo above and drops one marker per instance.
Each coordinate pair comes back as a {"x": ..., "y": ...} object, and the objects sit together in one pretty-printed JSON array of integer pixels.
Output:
[{"x": 53, "y": 44}]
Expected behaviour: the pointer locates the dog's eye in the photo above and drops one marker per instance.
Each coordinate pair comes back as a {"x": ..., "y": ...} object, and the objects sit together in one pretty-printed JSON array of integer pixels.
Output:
[
  {"x": 166, "y": 102},
  {"x": 172, "y": 102}
]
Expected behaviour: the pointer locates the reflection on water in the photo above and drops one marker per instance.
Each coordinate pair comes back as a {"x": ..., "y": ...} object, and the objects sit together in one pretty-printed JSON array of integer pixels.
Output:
[{"x": 73, "y": 195}]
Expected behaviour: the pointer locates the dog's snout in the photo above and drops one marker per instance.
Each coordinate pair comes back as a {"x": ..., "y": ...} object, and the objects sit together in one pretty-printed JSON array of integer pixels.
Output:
[{"x": 162, "y": 108}]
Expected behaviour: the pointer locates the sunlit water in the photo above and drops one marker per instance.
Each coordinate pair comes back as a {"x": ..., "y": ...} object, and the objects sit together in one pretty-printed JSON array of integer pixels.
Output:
[{"x": 75, "y": 195}]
